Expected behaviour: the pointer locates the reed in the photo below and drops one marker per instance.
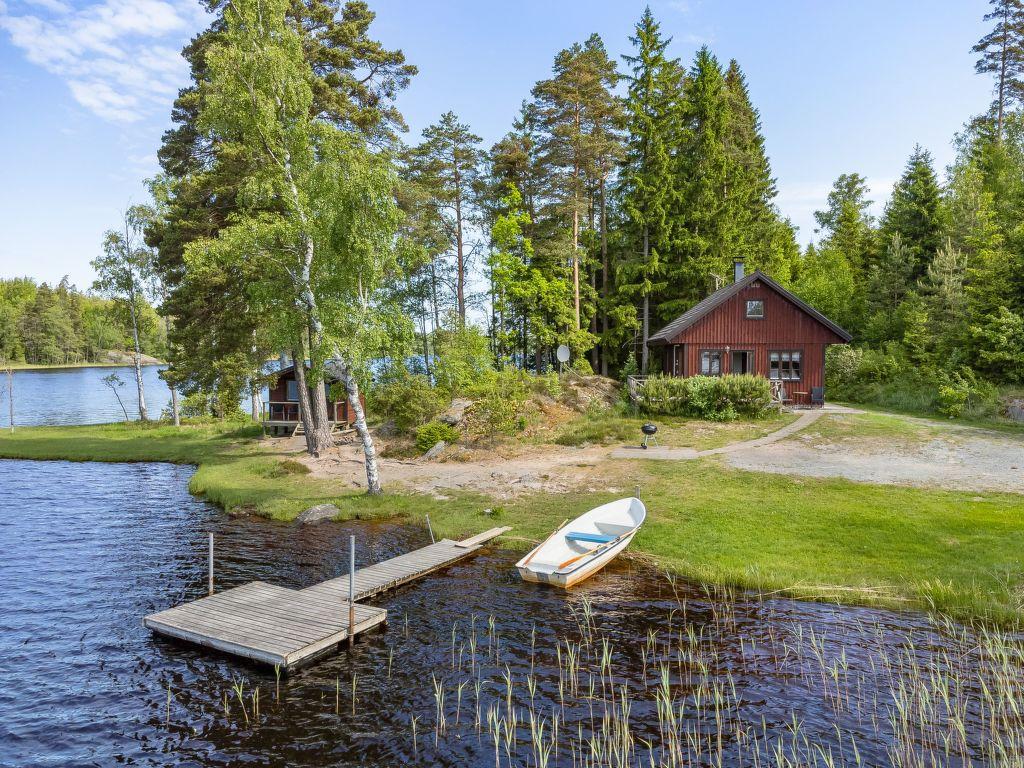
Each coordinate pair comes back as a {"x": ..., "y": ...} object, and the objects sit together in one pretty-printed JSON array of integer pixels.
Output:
[{"x": 944, "y": 695}]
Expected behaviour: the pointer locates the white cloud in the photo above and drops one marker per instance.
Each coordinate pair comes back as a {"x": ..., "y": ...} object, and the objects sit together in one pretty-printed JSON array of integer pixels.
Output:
[{"x": 119, "y": 57}]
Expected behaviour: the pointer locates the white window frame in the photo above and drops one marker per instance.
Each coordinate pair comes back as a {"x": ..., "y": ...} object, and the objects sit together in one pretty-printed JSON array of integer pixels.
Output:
[
  {"x": 786, "y": 364},
  {"x": 753, "y": 316}
]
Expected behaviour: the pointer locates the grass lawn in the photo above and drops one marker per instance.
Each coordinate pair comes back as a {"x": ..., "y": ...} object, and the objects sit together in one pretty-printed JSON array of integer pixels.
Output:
[
  {"x": 673, "y": 431},
  {"x": 958, "y": 553}
]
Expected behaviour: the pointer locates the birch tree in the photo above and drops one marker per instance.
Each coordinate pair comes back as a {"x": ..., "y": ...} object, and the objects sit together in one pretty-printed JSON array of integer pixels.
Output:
[
  {"x": 316, "y": 219},
  {"x": 122, "y": 273}
]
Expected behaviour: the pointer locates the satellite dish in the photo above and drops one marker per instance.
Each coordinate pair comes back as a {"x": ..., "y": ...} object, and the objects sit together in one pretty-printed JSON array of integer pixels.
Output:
[{"x": 562, "y": 353}]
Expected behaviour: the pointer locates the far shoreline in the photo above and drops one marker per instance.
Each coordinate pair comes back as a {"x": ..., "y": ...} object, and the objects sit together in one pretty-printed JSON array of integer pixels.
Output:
[{"x": 69, "y": 366}]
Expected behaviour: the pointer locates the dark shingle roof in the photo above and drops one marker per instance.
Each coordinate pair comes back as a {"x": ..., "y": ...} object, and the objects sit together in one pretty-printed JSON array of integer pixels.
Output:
[{"x": 719, "y": 297}]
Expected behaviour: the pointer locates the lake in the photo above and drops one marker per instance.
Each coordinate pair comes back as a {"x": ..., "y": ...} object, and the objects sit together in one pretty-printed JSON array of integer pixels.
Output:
[
  {"x": 474, "y": 667},
  {"x": 55, "y": 396}
]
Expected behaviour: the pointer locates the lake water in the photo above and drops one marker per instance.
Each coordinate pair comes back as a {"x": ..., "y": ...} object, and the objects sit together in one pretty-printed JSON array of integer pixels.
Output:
[
  {"x": 53, "y": 396},
  {"x": 631, "y": 668}
]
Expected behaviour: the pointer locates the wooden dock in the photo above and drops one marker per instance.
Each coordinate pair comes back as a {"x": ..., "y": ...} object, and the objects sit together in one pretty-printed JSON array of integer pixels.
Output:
[{"x": 290, "y": 627}]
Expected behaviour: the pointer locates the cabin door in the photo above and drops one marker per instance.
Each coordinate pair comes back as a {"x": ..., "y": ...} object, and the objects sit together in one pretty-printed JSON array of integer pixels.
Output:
[{"x": 742, "y": 362}]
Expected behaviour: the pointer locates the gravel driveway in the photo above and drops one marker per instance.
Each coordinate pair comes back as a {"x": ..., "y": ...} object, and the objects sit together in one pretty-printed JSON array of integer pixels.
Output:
[{"x": 957, "y": 458}]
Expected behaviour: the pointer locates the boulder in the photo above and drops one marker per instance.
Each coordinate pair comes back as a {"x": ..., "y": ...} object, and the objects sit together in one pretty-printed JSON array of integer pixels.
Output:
[
  {"x": 455, "y": 414},
  {"x": 318, "y": 514},
  {"x": 434, "y": 452},
  {"x": 1015, "y": 410}
]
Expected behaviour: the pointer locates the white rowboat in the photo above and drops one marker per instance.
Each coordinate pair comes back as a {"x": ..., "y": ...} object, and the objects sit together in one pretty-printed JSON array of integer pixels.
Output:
[{"x": 580, "y": 548}]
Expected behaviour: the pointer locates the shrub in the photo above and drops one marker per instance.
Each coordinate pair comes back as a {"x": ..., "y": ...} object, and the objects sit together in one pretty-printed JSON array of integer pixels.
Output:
[
  {"x": 430, "y": 434},
  {"x": 405, "y": 398},
  {"x": 463, "y": 360},
  {"x": 498, "y": 409},
  {"x": 716, "y": 398}
]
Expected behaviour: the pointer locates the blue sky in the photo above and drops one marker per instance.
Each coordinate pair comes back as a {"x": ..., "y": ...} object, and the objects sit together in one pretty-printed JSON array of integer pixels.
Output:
[{"x": 86, "y": 89}]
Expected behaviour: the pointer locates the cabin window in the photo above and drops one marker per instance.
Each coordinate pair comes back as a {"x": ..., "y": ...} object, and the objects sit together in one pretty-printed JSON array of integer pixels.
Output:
[
  {"x": 755, "y": 309},
  {"x": 784, "y": 365},
  {"x": 292, "y": 391},
  {"x": 711, "y": 362}
]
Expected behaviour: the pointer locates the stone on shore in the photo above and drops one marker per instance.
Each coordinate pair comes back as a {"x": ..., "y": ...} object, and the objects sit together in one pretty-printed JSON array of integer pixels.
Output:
[{"x": 318, "y": 514}]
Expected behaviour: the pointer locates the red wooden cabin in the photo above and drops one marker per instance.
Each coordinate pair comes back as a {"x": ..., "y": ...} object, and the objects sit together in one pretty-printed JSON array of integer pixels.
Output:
[
  {"x": 753, "y": 326},
  {"x": 281, "y": 411}
]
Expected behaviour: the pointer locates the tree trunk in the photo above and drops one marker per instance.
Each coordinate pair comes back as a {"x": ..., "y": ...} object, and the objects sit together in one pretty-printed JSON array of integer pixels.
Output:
[
  {"x": 348, "y": 379},
  {"x": 461, "y": 279},
  {"x": 604, "y": 282},
  {"x": 302, "y": 390},
  {"x": 644, "y": 352},
  {"x": 254, "y": 397},
  {"x": 576, "y": 260},
  {"x": 143, "y": 415},
  {"x": 175, "y": 407}
]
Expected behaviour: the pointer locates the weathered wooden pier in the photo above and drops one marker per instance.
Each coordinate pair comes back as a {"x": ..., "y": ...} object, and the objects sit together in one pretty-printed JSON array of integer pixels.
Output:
[{"x": 290, "y": 627}]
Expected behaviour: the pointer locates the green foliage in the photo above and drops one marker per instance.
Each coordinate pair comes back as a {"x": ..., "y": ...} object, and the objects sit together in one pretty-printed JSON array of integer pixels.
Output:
[
  {"x": 430, "y": 434},
  {"x": 405, "y": 398},
  {"x": 1000, "y": 342},
  {"x": 715, "y": 398},
  {"x": 499, "y": 408},
  {"x": 60, "y": 325},
  {"x": 463, "y": 360}
]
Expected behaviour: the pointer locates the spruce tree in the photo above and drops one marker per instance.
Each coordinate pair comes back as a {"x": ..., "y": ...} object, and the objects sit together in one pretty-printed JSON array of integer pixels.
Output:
[
  {"x": 706, "y": 210},
  {"x": 646, "y": 180},
  {"x": 916, "y": 212}
]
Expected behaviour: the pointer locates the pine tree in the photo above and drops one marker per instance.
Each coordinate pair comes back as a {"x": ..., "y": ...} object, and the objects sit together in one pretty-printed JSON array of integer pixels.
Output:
[
  {"x": 446, "y": 165},
  {"x": 646, "y": 181},
  {"x": 916, "y": 212},
  {"x": 1002, "y": 55},
  {"x": 573, "y": 106}
]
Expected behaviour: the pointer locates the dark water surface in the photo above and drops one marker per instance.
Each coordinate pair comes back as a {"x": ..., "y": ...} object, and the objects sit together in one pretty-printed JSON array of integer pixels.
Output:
[
  {"x": 58, "y": 396},
  {"x": 89, "y": 549}
]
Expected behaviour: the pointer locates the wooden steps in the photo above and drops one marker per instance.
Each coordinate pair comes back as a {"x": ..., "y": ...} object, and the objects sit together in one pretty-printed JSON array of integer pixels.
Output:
[{"x": 288, "y": 627}]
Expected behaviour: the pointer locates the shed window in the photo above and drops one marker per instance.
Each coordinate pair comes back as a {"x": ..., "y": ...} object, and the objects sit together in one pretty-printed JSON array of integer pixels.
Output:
[
  {"x": 784, "y": 366},
  {"x": 711, "y": 362},
  {"x": 755, "y": 309},
  {"x": 293, "y": 391}
]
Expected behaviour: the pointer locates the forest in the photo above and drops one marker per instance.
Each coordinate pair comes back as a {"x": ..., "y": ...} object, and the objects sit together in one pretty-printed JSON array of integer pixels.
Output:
[{"x": 60, "y": 325}]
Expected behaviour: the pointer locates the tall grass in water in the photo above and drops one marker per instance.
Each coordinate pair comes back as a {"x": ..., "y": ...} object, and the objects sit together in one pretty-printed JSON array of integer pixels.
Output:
[{"x": 687, "y": 693}]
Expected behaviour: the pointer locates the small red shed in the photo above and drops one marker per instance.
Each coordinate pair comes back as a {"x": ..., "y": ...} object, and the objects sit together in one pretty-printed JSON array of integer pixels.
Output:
[
  {"x": 281, "y": 414},
  {"x": 753, "y": 326}
]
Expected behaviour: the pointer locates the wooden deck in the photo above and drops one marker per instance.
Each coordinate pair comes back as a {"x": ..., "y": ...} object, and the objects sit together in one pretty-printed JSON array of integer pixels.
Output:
[{"x": 290, "y": 627}]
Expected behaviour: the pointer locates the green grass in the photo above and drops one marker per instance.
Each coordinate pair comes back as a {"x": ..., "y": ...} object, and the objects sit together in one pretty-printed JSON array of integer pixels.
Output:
[
  {"x": 608, "y": 428},
  {"x": 958, "y": 553}
]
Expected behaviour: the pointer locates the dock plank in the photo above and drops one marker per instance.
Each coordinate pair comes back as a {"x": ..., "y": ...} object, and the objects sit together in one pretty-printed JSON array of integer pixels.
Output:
[{"x": 287, "y": 627}]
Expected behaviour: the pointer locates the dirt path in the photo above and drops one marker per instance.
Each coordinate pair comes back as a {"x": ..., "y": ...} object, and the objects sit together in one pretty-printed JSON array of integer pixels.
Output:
[
  {"x": 554, "y": 469},
  {"x": 947, "y": 456}
]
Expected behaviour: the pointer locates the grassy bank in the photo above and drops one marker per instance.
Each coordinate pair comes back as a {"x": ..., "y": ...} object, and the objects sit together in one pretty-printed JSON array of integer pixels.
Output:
[{"x": 959, "y": 553}]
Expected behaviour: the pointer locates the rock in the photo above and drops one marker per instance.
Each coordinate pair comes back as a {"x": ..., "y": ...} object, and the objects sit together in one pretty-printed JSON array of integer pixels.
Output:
[
  {"x": 1015, "y": 410},
  {"x": 456, "y": 412},
  {"x": 434, "y": 452},
  {"x": 387, "y": 429},
  {"x": 489, "y": 512},
  {"x": 318, "y": 514}
]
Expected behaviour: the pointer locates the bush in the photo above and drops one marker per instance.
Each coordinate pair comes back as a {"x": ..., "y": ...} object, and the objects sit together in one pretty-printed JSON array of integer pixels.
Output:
[
  {"x": 405, "y": 398},
  {"x": 429, "y": 435},
  {"x": 716, "y": 398},
  {"x": 463, "y": 360},
  {"x": 498, "y": 409}
]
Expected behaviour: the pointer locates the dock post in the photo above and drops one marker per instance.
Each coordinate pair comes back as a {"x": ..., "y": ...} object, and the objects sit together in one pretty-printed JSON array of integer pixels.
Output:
[
  {"x": 351, "y": 590},
  {"x": 432, "y": 539},
  {"x": 636, "y": 491},
  {"x": 211, "y": 563}
]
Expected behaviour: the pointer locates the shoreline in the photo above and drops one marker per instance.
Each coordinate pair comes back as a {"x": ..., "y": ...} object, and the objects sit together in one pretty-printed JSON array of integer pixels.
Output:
[
  {"x": 829, "y": 540},
  {"x": 76, "y": 366}
]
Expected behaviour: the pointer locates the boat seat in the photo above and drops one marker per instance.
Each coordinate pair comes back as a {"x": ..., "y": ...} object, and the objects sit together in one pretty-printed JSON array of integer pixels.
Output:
[{"x": 597, "y": 538}]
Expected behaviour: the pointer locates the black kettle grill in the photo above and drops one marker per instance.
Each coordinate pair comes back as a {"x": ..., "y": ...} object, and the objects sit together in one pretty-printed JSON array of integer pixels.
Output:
[{"x": 649, "y": 430}]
